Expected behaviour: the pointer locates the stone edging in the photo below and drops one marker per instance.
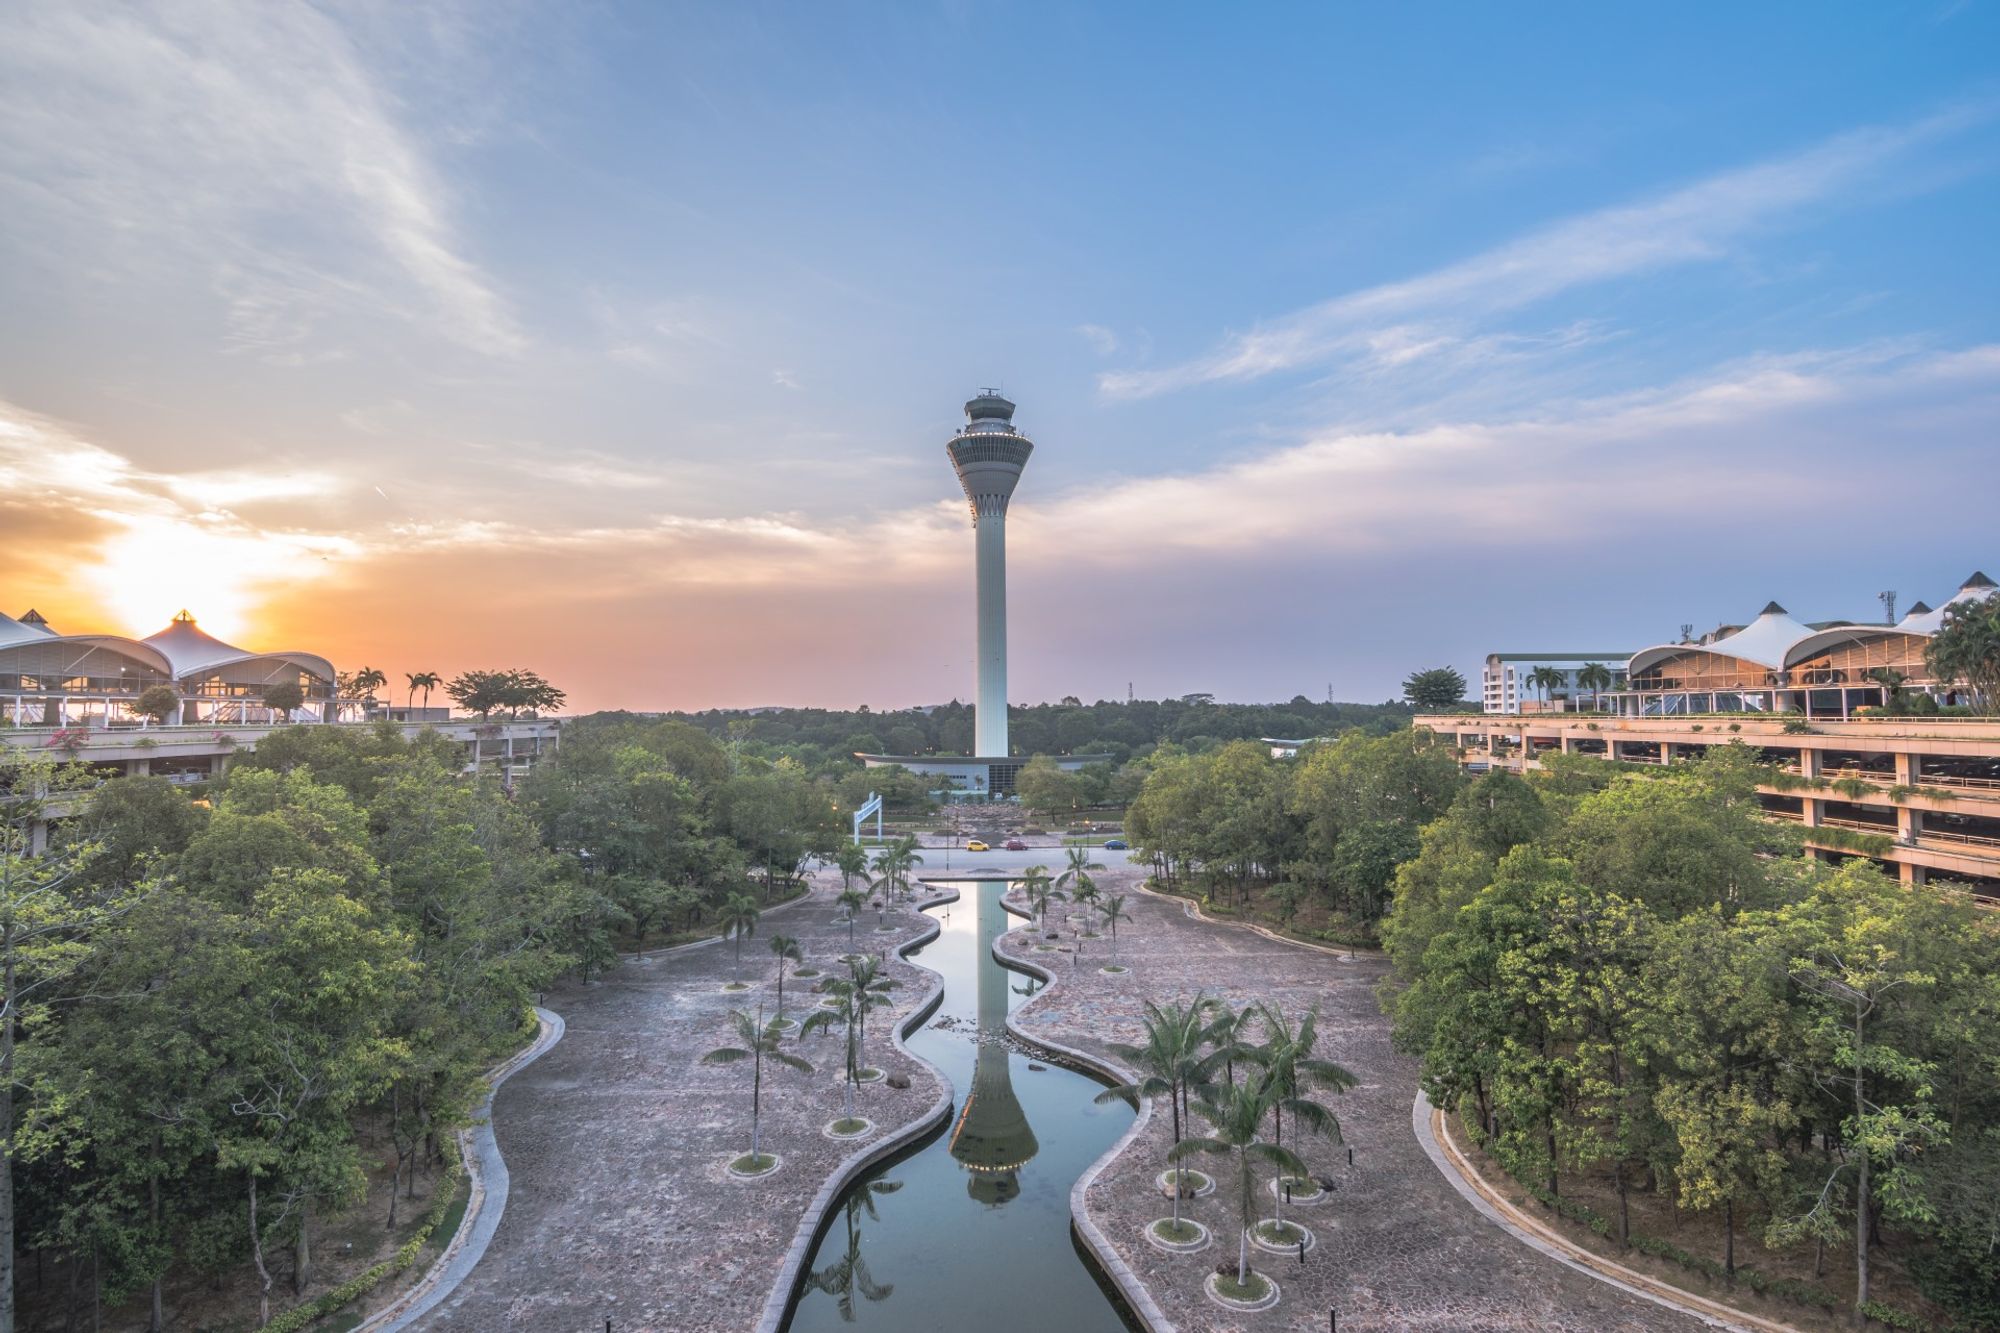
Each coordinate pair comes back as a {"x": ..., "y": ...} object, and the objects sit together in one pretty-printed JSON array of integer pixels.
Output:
[
  {"x": 482, "y": 1215},
  {"x": 648, "y": 955},
  {"x": 849, "y": 1170},
  {"x": 1139, "y": 1300},
  {"x": 1425, "y": 1122}
]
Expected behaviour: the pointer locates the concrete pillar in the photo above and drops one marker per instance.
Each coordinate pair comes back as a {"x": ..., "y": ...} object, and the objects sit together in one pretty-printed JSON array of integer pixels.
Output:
[
  {"x": 138, "y": 768},
  {"x": 38, "y": 837},
  {"x": 1906, "y": 768},
  {"x": 1808, "y": 762},
  {"x": 990, "y": 712}
]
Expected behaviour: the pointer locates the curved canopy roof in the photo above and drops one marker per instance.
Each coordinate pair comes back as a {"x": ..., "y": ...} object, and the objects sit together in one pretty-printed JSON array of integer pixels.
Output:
[
  {"x": 193, "y": 651},
  {"x": 14, "y": 634},
  {"x": 1763, "y": 642},
  {"x": 1974, "y": 589}
]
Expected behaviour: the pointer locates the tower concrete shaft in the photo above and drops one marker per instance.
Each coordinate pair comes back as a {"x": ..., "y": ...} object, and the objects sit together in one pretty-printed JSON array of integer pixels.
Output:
[{"x": 988, "y": 455}]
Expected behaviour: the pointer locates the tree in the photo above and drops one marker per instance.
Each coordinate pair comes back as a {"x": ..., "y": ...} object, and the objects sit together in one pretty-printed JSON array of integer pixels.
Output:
[
  {"x": 1436, "y": 689},
  {"x": 1113, "y": 912},
  {"x": 1046, "y": 788},
  {"x": 1235, "y": 1115},
  {"x": 1595, "y": 677},
  {"x": 851, "y": 859},
  {"x": 46, "y": 915},
  {"x": 1076, "y": 875},
  {"x": 1546, "y": 680},
  {"x": 760, "y": 1041},
  {"x": 421, "y": 680},
  {"x": 864, "y": 988},
  {"x": 162, "y": 703},
  {"x": 1040, "y": 890},
  {"x": 786, "y": 950},
  {"x": 739, "y": 922},
  {"x": 1291, "y": 1071},
  {"x": 1170, "y": 1062},
  {"x": 1855, "y": 957},
  {"x": 485, "y": 692},
  {"x": 284, "y": 697},
  {"x": 852, "y": 900},
  {"x": 1966, "y": 649}
]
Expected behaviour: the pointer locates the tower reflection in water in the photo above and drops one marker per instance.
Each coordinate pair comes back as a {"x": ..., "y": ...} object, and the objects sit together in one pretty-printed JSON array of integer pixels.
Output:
[{"x": 992, "y": 1138}]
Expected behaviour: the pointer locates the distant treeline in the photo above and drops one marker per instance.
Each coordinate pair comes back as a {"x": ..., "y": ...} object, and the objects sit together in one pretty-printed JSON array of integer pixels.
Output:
[{"x": 1116, "y": 728}]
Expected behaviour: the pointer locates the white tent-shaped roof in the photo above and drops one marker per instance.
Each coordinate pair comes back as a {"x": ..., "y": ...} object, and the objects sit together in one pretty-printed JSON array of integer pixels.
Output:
[
  {"x": 193, "y": 652},
  {"x": 1976, "y": 588},
  {"x": 1763, "y": 642}
]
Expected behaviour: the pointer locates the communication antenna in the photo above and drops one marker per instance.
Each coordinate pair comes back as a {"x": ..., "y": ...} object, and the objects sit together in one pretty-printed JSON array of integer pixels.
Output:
[
  {"x": 1129, "y": 696},
  {"x": 1687, "y": 632},
  {"x": 1888, "y": 600}
]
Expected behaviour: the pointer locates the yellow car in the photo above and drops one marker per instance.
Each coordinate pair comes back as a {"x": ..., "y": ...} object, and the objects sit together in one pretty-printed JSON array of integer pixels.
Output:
[{"x": 977, "y": 846}]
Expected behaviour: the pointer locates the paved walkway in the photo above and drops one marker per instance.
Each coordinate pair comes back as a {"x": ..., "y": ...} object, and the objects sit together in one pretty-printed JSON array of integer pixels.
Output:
[
  {"x": 1397, "y": 1247},
  {"x": 617, "y": 1142}
]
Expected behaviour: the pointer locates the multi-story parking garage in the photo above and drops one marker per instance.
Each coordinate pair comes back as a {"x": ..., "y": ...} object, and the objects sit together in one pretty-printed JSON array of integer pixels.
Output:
[{"x": 1844, "y": 714}]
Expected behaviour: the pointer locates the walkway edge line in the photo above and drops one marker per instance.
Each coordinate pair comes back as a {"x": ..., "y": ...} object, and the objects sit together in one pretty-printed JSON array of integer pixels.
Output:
[
  {"x": 780, "y": 1300},
  {"x": 1435, "y": 1135},
  {"x": 1137, "y": 1297},
  {"x": 479, "y": 1150}
]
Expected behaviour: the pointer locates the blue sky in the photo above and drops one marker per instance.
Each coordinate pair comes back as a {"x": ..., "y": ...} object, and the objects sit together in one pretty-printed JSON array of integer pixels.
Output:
[{"x": 1354, "y": 339}]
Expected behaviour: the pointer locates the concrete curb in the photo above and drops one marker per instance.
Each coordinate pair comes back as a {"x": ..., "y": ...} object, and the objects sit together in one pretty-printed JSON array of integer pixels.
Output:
[
  {"x": 779, "y": 1301},
  {"x": 1426, "y": 1121},
  {"x": 1193, "y": 911},
  {"x": 648, "y": 955},
  {"x": 1137, "y": 1298},
  {"x": 486, "y": 1177}
]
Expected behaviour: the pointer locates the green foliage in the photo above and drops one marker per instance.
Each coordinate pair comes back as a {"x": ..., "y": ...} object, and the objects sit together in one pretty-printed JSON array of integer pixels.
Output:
[
  {"x": 1434, "y": 690},
  {"x": 1630, "y": 973},
  {"x": 284, "y": 696},
  {"x": 515, "y": 691},
  {"x": 1966, "y": 648},
  {"x": 162, "y": 703}
]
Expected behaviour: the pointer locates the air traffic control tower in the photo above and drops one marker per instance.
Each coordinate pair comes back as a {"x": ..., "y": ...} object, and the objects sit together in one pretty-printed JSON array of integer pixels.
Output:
[{"x": 988, "y": 455}]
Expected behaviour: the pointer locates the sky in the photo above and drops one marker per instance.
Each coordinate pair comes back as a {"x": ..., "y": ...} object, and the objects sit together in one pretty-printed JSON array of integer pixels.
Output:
[{"x": 621, "y": 341}]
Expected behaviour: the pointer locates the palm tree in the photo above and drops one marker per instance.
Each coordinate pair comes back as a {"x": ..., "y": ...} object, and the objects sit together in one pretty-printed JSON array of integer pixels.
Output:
[
  {"x": 368, "y": 680},
  {"x": 1077, "y": 876},
  {"x": 852, "y": 860},
  {"x": 421, "y": 680},
  {"x": 1169, "y": 1061},
  {"x": 1545, "y": 679},
  {"x": 1225, "y": 1032},
  {"x": 1595, "y": 677},
  {"x": 849, "y": 1273},
  {"x": 787, "y": 950},
  {"x": 1114, "y": 911},
  {"x": 1290, "y": 1069},
  {"x": 760, "y": 1043},
  {"x": 854, "y": 995},
  {"x": 739, "y": 922},
  {"x": 1039, "y": 888},
  {"x": 1235, "y": 1114},
  {"x": 853, "y": 900},
  {"x": 894, "y": 863}
]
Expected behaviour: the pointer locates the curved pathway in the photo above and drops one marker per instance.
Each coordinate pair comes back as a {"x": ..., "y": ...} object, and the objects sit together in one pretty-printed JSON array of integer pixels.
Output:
[
  {"x": 617, "y": 1141},
  {"x": 1396, "y": 1246}
]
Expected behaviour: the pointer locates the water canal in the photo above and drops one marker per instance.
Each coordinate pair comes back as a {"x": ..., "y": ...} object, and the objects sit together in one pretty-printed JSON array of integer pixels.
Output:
[{"x": 971, "y": 1229}]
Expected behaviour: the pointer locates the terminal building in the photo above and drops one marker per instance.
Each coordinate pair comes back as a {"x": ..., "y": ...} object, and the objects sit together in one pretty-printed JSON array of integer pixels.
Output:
[
  {"x": 49, "y": 679},
  {"x": 1846, "y": 713}
]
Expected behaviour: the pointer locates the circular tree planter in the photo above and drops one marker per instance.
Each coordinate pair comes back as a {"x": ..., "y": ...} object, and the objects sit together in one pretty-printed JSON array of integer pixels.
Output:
[
  {"x": 1265, "y": 1236},
  {"x": 855, "y": 1127},
  {"x": 735, "y": 987},
  {"x": 1305, "y": 1193},
  {"x": 1203, "y": 1184},
  {"x": 805, "y": 974},
  {"x": 787, "y": 1025},
  {"x": 748, "y": 1167},
  {"x": 830, "y": 1002},
  {"x": 1260, "y": 1293},
  {"x": 868, "y": 1074},
  {"x": 1193, "y": 1235},
  {"x": 1114, "y": 969}
]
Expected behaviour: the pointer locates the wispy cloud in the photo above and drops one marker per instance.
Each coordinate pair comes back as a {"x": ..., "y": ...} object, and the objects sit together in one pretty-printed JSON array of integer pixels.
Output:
[
  {"x": 1101, "y": 339},
  {"x": 248, "y": 143},
  {"x": 1432, "y": 312}
]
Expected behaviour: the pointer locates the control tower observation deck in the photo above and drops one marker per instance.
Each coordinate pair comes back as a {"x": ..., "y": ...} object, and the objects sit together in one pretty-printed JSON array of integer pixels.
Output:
[{"x": 988, "y": 455}]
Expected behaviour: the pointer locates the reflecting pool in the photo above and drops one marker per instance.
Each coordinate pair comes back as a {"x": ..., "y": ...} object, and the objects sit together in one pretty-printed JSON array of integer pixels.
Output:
[{"x": 970, "y": 1232}]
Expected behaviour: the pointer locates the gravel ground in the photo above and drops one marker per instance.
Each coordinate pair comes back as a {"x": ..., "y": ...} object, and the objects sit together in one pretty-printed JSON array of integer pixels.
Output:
[
  {"x": 618, "y": 1141},
  {"x": 1396, "y": 1247}
]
